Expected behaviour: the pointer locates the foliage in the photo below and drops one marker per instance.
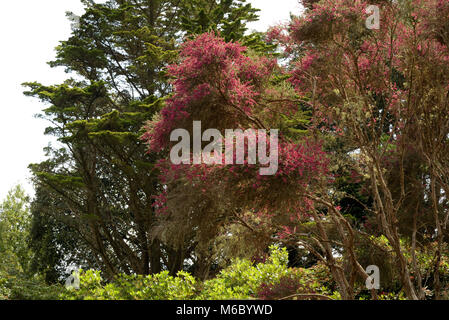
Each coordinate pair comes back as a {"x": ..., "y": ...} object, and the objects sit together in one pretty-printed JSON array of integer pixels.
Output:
[
  {"x": 226, "y": 85},
  {"x": 96, "y": 188},
  {"x": 299, "y": 284},
  {"x": 159, "y": 286},
  {"x": 25, "y": 288},
  {"x": 241, "y": 280},
  {"x": 15, "y": 221},
  {"x": 362, "y": 177},
  {"x": 17, "y": 279},
  {"x": 369, "y": 124}
]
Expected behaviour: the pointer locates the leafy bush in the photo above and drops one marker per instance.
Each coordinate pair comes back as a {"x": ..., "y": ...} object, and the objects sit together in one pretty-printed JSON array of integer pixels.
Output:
[
  {"x": 160, "y": 286},
  {"x": 298, "y": 281},
  {"x": 24, "y": 288},
  {"x": 241, "y": 280}
]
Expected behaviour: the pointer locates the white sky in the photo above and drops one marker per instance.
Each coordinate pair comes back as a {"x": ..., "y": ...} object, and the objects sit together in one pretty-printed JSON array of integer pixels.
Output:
[{"x": 29, "y": 32}]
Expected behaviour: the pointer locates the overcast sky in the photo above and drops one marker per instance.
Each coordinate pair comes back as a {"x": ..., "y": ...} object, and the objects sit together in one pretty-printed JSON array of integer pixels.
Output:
[{"x": 29, "y": 32}]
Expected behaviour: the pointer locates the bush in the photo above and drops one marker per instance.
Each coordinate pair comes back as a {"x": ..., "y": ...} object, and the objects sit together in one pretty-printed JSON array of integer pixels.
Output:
[
  {"x": 312, "y": 281},
  {"x": 241, "y": 280},
  {"x": 160, "y": 286},
  {"x": 23, "y": 288}
]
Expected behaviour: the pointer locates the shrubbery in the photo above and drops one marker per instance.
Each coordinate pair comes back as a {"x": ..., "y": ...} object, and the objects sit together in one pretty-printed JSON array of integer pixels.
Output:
[
  {"x": 160, "y": 286},
  {"x": 241, "y": 280},
  {"x": 299, "y": 284},
  {"x": 23, "y": 288}
]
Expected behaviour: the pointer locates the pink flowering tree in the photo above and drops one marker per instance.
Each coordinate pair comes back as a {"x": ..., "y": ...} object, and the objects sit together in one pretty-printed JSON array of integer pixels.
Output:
[
  {"x": 385, "y": 93},
  {"x": 226, "y": 86}
]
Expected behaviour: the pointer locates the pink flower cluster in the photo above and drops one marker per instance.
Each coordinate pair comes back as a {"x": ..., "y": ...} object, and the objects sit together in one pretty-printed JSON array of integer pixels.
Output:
[{"x": 211, "y": 73}]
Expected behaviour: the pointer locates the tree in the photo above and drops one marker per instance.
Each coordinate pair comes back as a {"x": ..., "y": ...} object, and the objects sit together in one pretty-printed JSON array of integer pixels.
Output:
[
  {"x": 56, "y": 245},
  {"x": 15, "y": 225},
  {"x": 225, "y": 85},
  {"x": 99, "y": 180},
  {"x": 385, "y": 93}
]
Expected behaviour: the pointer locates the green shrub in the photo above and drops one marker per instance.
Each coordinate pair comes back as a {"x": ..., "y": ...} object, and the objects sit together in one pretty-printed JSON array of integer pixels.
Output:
[
  {"x": 160, "y": 286},
  {"x": 23, "y": 288},
  {"x": 298, "y": 281},
  {"x": 242, "y": 279}
]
